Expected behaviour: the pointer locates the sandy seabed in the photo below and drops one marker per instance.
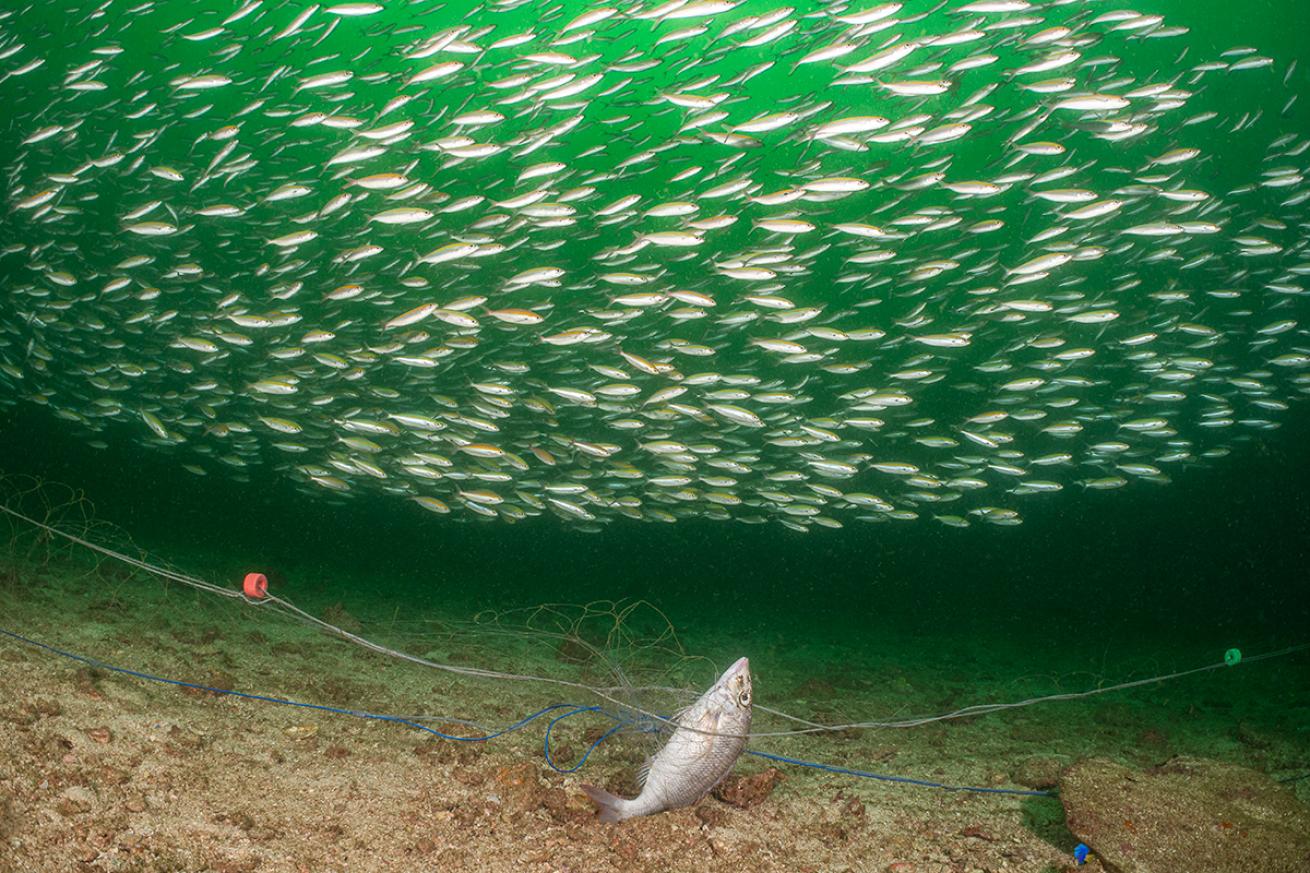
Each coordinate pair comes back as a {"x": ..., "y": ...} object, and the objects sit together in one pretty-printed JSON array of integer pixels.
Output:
[{"x": 100, "y": 771}]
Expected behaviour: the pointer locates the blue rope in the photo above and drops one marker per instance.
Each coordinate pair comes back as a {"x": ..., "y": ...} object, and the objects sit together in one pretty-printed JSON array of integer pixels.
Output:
[
  {"x": 902, "y": 780},
  {"x": 262, "y": 698},
  {"x": 619, "y": 724},
  {"x": 573, "y": 709}
]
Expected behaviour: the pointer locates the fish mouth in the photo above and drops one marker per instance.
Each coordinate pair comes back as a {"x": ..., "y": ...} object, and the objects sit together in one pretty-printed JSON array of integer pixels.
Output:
[{"x": 740, "y": 666}]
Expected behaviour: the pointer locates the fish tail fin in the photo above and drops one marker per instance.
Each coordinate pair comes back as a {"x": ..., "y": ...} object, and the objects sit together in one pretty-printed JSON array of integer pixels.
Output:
[{"x": 611, "y": 806}]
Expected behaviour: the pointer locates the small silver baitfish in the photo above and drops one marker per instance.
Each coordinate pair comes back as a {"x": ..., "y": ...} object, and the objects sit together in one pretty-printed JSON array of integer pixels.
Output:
[{"x": 709, "y": 737}]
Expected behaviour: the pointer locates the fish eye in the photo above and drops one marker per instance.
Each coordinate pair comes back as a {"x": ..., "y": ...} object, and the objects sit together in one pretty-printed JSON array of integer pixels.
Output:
[{"x": 744, "y": 698}]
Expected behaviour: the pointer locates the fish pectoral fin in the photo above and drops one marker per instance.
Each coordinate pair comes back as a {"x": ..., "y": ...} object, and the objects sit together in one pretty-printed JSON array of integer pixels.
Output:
[{"x": 708, "y": 722}]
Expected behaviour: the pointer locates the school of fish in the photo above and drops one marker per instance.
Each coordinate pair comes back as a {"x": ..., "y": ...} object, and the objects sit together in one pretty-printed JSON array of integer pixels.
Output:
[{"x": 726, "y": 259}]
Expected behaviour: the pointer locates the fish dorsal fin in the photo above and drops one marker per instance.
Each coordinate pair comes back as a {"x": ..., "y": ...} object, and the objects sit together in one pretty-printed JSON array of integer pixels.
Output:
[{"x": 644, "y": 771}]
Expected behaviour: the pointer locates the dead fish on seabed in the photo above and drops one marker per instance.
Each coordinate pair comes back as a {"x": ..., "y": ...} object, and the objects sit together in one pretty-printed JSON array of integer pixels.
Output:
[{"x": 709, "y": 737}]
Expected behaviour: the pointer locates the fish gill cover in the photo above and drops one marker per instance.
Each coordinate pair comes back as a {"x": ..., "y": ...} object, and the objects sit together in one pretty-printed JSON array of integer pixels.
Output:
[{"x": 699, "y": 258}]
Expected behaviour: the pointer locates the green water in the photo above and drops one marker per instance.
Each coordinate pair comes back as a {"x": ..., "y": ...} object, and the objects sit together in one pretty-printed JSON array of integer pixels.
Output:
[
  {"x": 1214, "y": 559},
  {"x": 1093, "y": 587}
]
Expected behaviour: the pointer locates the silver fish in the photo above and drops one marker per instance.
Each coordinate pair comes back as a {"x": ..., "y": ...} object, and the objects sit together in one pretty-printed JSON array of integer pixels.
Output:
[
  {"x": 649, "y": 292},
  {"x": 708, "y": 740}
]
